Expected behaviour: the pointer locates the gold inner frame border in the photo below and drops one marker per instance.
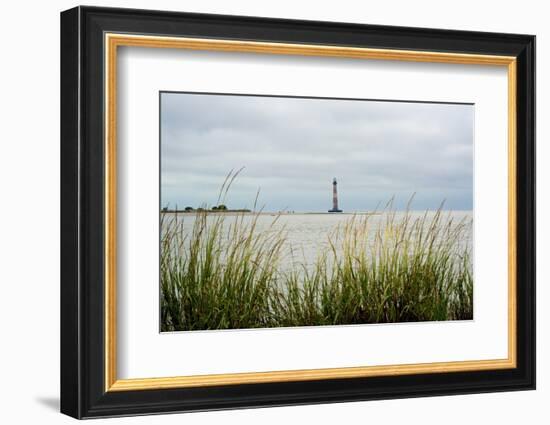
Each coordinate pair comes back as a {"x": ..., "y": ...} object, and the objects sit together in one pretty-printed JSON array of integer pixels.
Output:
[{"x": 112, "y": 41}]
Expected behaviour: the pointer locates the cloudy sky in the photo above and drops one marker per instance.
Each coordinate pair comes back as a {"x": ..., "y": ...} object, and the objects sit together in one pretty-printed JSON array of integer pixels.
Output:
[{"x": 291, "y": 148}]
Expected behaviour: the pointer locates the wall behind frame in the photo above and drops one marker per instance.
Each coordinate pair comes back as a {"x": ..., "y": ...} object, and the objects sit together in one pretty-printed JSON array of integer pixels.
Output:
[{"x": 29, "y": 213}]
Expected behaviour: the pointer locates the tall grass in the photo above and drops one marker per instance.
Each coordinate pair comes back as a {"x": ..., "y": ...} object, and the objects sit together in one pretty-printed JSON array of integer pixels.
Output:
[
  {"x": 411, "y": 270},
  {"x": 218, "y": 277},
  {"x": 224, "y": 273}
]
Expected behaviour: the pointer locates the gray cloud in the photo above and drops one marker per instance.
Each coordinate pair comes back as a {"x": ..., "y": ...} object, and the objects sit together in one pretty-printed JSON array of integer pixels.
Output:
[{"x": 291, "y": 148}]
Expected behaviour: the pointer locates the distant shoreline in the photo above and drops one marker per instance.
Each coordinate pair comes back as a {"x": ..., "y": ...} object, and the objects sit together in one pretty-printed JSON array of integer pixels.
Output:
[
  {"x": 235, "y": 212},
  {"x": 283, "y": 213}
]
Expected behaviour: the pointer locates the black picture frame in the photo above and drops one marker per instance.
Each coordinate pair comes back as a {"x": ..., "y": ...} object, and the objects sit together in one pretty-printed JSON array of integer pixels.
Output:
[{"x": 83, "y": 392}]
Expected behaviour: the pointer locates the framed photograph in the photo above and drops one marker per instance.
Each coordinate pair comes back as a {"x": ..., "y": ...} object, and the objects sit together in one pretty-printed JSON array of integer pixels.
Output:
[{"x": 261, "y": 212}]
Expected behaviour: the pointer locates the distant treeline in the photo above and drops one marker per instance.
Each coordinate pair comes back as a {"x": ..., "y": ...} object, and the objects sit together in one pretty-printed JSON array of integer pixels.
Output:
[{"x": 218, "y": 208}]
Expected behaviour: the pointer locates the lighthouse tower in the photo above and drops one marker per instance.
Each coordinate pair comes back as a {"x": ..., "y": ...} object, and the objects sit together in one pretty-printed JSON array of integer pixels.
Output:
[{"x": 334, "y": 197}]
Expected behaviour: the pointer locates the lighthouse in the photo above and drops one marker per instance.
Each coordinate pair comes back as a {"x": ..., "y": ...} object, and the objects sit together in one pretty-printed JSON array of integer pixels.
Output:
[{"x": 334, "y": 197}]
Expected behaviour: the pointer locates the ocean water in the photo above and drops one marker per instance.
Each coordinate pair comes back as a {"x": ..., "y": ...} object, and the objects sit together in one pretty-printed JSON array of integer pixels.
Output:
[{"x": 308, "y": 234}]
